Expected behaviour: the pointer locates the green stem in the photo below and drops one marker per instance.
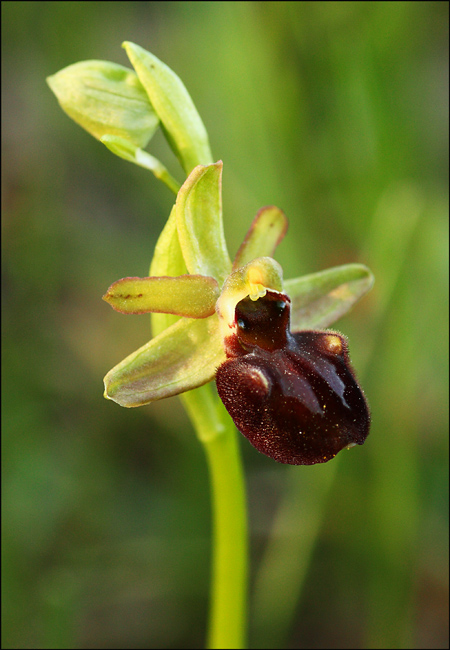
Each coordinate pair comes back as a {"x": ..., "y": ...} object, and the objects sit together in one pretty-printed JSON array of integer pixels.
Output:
[
  {"x": 147, "y": 161},
  {"x": 228, "y": 612},
  {"x": 128, "y": 151}
]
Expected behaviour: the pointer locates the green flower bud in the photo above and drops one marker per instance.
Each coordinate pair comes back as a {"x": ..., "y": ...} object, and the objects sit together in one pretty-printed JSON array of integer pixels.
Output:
[
  {"x": 181, "y": 122},
  {"x": 105, "y": 99}
]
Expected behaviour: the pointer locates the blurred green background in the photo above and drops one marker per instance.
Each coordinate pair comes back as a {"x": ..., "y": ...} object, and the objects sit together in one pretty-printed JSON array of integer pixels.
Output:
[{"x": 337, "y": 113}]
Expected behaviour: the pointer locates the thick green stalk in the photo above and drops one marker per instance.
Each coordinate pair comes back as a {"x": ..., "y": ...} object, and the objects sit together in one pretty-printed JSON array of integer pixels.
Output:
[
  {"x": 228, "y": 614},
  {"x": 228, "y": 611}
]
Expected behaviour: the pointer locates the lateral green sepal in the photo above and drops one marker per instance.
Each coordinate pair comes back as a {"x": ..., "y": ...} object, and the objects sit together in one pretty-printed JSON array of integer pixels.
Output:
[
  {"x": 320, "y": 299},
  {"x": 182, "y": 357}
]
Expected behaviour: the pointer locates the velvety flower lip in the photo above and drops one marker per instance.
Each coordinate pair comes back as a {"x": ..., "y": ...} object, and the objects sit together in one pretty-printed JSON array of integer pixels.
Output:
[
  {"x": 203, "y": 301},
  {"x": 294, "y": 396}
]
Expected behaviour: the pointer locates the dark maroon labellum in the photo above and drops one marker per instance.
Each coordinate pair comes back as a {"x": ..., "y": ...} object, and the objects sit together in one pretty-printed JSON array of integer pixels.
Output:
[{"x": 294, "y": 396}]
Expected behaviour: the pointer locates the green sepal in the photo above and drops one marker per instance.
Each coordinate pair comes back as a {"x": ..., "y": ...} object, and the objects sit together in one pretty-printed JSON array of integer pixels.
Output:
[
  {"x": 105, "y": 98},
  {"x": 181, "y": 122},
  {"x": 183, "y": 357},
  {"x": 199, "y": 223},
  {"x": 168, "y": 256},
  {"x": 319, "y": 299},
  {"x": 193, "y": 296},
  {"x": 128, "y": 151},
  {"x": 167, "y": 260},
  {"x": 265, "y": 233}
]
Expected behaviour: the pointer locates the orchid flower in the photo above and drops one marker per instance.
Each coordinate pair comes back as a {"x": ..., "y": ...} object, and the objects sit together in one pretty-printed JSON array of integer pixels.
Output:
[
  {"x": 285, "y": 380},
  {"x": 321, "y": 409}
]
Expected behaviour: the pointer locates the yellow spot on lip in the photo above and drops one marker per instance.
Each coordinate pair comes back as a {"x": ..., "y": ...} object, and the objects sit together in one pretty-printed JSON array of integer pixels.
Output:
[{"x": 332, "y": 343}]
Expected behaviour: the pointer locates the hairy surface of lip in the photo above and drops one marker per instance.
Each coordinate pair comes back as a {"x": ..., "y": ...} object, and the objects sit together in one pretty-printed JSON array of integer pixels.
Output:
[{"x": 293, "y": 395}]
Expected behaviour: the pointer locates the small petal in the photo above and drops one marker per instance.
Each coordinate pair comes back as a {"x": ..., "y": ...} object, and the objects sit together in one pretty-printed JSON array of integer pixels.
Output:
[
  {"x": 183, "y": 357},
  {"x": 319, "y": 299},
  {"x": 185, "y": 130},
  {"x": 266, "y": 232},
  {"x": 105, "y": 98},
  {"x": 199, "y": 223},
  {"x": 193, "y": 296}
]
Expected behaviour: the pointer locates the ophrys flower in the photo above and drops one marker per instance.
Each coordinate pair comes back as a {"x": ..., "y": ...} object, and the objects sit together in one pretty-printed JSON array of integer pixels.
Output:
[{"x": 288, "y": 385}]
